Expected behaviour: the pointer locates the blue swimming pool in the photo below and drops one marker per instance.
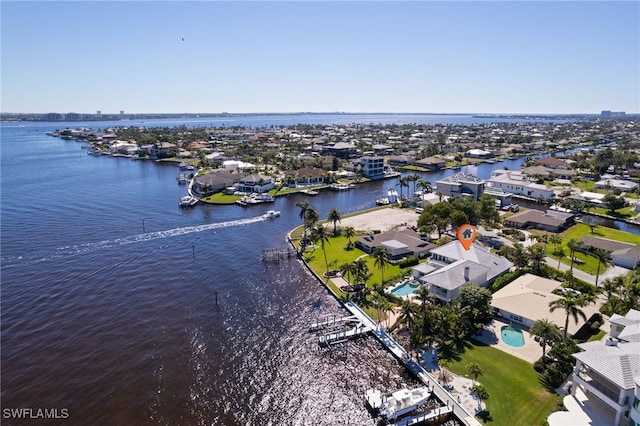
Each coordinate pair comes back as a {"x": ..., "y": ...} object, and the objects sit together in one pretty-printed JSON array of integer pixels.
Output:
[
  {"x": 405, "y": 288},
  {"x": 512, "y": 336}
]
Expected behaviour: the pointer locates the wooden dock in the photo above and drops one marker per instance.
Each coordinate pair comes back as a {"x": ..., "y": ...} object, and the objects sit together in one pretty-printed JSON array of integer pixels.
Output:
[
  {"x": 277, "y": 254},
  {"x": 414, "y": 367}
]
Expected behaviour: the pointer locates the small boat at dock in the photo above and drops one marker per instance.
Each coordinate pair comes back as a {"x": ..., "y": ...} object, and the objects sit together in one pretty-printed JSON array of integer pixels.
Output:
[
  {"x": 397, "y": 404},
  {"x": 188, "y": 201}
]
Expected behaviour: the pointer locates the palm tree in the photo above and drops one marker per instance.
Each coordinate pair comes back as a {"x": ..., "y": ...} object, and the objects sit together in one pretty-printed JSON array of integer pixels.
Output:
[
  {"x": 604, "y": 257},
  {"x": 413, "y": 177},
  {"x": 537, "y": 255},
  {"x": 347, "y": 270},
  {"x": 520, "y": 256},
  {"x": 559, "y": 251},
  {"x": 334, "y": 216},
  {"x": 361, "y": 271},
  {"x": 474, "y": 370},
  {"x": 380, "y": 261},
  {"x": 349, "y": 233},
  {"x": 425, "y": 185},
  {"x": 613, "y": 285},
  {"x": 408, "y": 314},
  {"x": 402, "y": 182},
  {"x": 555, "y": 239},
  {"x": 571, "y": 305},
  {"x": 423, "y": 296},
  {"x": 320, "y": 233},
  {"x": 548, "y": 332},
  {"x": 482, "y": 394},
  {"x": 573, "y": 246}
]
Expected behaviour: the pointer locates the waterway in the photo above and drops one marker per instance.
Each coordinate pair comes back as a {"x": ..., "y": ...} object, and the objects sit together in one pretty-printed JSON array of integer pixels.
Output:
[{"x": 122, "y": 308}]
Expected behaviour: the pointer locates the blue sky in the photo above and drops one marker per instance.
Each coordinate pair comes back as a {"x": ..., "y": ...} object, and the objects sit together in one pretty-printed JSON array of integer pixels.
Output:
[{"x": 420, "y": 56}]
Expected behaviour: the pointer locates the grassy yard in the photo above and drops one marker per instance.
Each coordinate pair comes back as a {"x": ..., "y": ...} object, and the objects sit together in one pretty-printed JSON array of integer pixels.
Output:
[
  {"x": 337, "y": 255},
  {"x": 577, "y": 232},
  {"x": 516, "y": 396}
]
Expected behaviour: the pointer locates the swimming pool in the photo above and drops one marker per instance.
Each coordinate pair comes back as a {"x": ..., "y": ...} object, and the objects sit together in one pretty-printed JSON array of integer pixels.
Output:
[
  {"x": 405, "y": 288},
  {"x": 512, "y": 336}
]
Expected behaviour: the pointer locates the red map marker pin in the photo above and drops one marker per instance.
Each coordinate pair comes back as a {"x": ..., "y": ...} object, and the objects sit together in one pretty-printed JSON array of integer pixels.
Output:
[{"x": 466, "y": 234}]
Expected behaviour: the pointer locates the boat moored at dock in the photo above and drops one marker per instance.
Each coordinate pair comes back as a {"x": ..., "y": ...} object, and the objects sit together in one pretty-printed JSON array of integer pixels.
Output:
[{"x": 188, "y": 201}]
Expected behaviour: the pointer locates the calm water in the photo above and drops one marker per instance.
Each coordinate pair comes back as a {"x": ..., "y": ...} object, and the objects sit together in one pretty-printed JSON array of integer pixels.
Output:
[{"x": 125, "y": 309}]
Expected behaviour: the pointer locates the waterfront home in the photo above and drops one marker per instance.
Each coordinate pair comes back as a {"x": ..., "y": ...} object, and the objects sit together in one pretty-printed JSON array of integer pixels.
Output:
[
  {"x": 163, "y": 150},
  {"x": 372, "y": 167},
  {"x": 215, "y": 181},
  {"x": 451, "y": 266},
  {"x": 255, "y": 183},
  {"x": 340, "y": 149},
  {"x": 400, "y": 160},
  {"x": 517, "y": 183},
  {"x": 238, "y": 165},
  {"x": 397, "y": 243},
  {"x": 551, "y": 220},
  {"x": 622, "y": 254},
  {"x": 549, "y": 173},
  {"x": 305, "y": 176},
  {"x": 461, "y": 185},
  {"x": 607, "y": 372},
  {"x": 430, "y": 163},
  {"x": 479, "y": 153},
  {"x": 526, "y": 300},
  {"x": 553, "y": 163}
]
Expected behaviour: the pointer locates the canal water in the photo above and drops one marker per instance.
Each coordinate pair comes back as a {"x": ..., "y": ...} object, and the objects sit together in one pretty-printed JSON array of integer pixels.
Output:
[{"x": 122, "y": 308}]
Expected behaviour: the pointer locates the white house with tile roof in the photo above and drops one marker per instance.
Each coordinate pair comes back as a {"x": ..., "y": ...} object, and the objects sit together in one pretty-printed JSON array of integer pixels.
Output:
[
  {"x": 451, "y": 266},
  {"x": 608, "y": 372}
]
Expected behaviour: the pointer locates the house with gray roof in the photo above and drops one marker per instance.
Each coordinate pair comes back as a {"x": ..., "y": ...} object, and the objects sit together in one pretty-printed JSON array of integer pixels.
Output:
[
  {"x": 608, "y": 371},
  {"x": 397, "y": 243},
  {"x": 550, "y": 220},
  {"x": 461, "y": 185},
  {"x": 622, "y": 254},
  {"x": 451, "y": 266}
]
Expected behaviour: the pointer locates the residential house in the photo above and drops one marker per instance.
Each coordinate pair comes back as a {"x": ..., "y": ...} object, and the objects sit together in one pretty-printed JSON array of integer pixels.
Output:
[
  {"x": 397, "y": 243},
  {"x": 306, "y": 176},
  {"x": 461, "y": 185},
  {"x": 255, "y": 183},
  {"x": 608, "y": 371},
  {"x": 163, "y": 150},
  {"x": 372, "y": 167},
  {"x": 553, "y": 163},
  {"x": 526, "y": 300},
  {"x": 400, "y": 160},
  {"x": 516, "y": 182},
  {"x": 215, "y": 181},
  {"x": 551, "y": 220},
  {"x": 622, "y": 185},
  {"x": 340, "y": 149},
  {"x": 430, "y": 163},
  {"x": 622, "y": 254},
  {"x": 451, "y": 266},
  {"x": 479, "y": 153}
]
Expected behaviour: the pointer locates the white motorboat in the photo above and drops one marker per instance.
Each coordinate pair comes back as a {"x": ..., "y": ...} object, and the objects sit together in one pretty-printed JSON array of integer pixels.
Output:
[
  {"x": 270, "y": 214},
  {"x": 399, "y": 403},
  {"x": 188, "y": 201}
]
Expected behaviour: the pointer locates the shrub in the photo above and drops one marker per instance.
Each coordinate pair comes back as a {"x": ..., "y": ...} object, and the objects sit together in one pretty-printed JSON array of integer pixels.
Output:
[{"x": 408, "y": 262}]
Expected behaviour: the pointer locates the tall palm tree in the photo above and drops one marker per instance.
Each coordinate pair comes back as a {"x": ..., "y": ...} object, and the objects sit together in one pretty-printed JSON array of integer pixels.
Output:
[
  {"x": 573, "y": 245},
  {"x": 408, "y": 314},
  {"x": 348, "y": 233},
  {"x": 474, "y": 370},
  {"x": 604, "y": 257},
  {"x": 613, "y": 285},
  {"x": 320, "y": 233},
  {"x": 413, "y": 177},
  {"x": 380, "y": 261},
  {"x": 423, "y": 296},
  {"x": 402, "y": 182},
  {"x": 559, "y": 251},
  {"x": 425, "y": 185},
  {"x": 571, "y": 305},
  {"x": 348, "y": 270},
  {"x": 555, "y": 239},
  {"x": 548, "y": 332},
  {"x": 537, "y": 255},
  {"x": 520, "y": 256},
  {"x": 334, "y": 216},
  {"x": 361, "y": 269}
]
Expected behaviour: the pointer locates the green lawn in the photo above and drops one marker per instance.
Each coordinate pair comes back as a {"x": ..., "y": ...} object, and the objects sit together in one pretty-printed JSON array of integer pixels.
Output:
[
  {"x": 577, "y": 232},
  {"x": 337, "y": 255},
  {"x": 516, "y": 396}
]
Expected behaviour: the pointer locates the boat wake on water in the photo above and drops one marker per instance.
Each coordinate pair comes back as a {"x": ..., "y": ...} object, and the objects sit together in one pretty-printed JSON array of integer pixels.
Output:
[{"x": 149, "y": 236}]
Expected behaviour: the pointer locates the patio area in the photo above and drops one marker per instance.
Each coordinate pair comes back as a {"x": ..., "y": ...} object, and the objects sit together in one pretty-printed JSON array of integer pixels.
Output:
[{"x": 490, "y": 335}]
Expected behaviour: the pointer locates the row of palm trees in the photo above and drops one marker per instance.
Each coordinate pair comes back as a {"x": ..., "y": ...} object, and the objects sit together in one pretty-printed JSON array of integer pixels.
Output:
[{"x": 403, "y": 182}]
